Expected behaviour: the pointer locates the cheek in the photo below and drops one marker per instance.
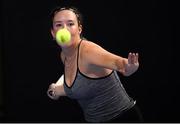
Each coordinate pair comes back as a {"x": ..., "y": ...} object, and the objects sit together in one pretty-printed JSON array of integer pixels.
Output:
[
  {"x": 54, "y": 33},
  {"x": 74, "y": 31}
]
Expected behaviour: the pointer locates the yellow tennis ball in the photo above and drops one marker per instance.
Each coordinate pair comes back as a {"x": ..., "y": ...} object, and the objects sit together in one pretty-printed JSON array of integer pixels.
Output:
[{"x": 63, "y": 36}]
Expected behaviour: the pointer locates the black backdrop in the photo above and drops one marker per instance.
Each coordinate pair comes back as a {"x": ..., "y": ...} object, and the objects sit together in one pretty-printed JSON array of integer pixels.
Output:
[{"x": 30, "y": 58}]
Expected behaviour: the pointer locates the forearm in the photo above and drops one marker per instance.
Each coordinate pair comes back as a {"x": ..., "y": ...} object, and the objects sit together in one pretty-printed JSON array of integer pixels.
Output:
[
  {"x": 57, "y": 89},
  {"x": 121, "y": 65}
]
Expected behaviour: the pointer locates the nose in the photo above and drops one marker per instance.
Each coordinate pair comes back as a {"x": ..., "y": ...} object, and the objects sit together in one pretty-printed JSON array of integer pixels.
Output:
[{"x": 65, "y": 26}]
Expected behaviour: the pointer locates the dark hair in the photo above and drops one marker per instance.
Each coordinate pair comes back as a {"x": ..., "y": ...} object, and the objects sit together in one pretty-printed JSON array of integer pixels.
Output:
[{"x": 73, "y": 9}]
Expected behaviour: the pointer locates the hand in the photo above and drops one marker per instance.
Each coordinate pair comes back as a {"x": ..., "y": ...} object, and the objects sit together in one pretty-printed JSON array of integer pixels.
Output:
[
  {"x": 52, "y": 92},
  {"x": 132, "y": 64}
]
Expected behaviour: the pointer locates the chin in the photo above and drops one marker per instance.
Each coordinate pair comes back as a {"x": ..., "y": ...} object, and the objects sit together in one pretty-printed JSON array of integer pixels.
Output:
[{"x": 66, "y": 45}]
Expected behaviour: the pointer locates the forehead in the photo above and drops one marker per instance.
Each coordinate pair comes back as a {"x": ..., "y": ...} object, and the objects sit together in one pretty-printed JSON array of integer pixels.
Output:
[{"x": 65, "y": 15}]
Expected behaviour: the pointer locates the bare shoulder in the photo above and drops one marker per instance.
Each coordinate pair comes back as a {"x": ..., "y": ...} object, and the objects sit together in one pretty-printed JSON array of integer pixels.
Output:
[
  {"x": 89, "y": 46},
  {"x": 91, "y": 51}
]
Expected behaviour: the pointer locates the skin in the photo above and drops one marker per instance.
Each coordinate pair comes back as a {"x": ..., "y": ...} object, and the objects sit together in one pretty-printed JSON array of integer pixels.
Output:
[{"x": 88, "y": 65}]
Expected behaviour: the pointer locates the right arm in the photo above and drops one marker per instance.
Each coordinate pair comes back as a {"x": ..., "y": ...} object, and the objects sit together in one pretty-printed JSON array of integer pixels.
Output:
[{"x": 56, "y": 89}]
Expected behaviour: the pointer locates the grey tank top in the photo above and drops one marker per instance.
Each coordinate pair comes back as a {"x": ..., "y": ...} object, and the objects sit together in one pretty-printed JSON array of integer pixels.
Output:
[{"x": 101, "y": 99}]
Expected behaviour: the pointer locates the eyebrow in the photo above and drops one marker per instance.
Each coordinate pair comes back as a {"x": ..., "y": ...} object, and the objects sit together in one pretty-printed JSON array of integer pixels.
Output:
[{"x": 62, "y": 21}]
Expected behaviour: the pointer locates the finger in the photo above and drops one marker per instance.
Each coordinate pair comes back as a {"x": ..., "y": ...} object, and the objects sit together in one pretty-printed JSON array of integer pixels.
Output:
[
  {"x": 50, "y": 93},
  {"x": 130, "y": 58},
  {"x": 136, "y": 58},
  {"x": 133, "y": 58}
]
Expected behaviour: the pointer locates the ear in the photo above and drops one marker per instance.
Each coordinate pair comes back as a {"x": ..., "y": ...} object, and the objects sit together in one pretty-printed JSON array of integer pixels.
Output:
[
  {"x": 52, "y": 33},
  {"x": 80, "y": 29}
]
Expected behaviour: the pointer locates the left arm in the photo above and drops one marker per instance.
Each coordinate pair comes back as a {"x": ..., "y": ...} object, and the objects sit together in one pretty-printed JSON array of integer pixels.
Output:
[{"x": 94, "y": 54}]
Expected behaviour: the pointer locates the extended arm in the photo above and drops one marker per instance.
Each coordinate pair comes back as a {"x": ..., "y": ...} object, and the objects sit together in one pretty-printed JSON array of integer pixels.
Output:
[{"x": 94, "y": 54}]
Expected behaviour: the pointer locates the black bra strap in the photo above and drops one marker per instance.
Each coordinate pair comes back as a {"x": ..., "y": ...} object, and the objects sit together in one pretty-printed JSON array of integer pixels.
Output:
[{"x": 78, "y": 53}]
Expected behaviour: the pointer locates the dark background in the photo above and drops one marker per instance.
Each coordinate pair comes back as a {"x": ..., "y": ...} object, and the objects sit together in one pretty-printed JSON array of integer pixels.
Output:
[{"x": 30, "y": 62}]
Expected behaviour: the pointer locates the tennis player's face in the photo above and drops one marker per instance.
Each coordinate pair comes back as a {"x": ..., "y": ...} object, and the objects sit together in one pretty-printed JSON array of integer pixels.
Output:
[{"x": 66, "y": 19}]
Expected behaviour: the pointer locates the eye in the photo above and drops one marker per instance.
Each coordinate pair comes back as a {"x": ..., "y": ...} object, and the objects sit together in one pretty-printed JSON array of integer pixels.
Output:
[
  {"x": 58, "y": 25},
  {"x": 70, "y": 24}
]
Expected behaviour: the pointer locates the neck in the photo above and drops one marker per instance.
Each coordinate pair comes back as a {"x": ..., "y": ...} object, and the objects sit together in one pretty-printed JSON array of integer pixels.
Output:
[{"x": 71, "y": 50}]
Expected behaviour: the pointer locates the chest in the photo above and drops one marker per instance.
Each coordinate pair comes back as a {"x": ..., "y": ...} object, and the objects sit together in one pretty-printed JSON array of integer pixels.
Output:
[
  {"x": 70, "y": 73},
  {"x": 87, "y": 88},
  {"x": 82, "y": 88}
]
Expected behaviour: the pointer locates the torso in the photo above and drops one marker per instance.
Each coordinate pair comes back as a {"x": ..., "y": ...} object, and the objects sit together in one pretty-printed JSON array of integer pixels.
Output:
[
  {"x": 99, "y": 91},
  {"x": 92, "y": 71}
]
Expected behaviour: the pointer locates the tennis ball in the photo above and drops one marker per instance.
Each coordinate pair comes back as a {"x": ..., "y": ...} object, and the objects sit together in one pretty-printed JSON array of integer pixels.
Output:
[{"x": 63, "y": 36}]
